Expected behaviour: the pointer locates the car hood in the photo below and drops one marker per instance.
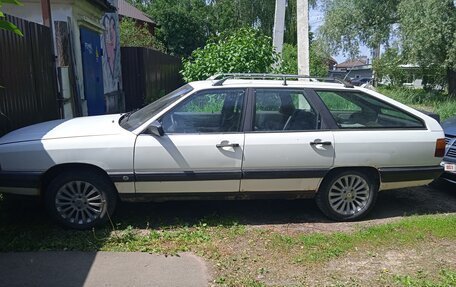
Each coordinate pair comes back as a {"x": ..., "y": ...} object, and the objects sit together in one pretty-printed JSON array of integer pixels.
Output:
[
  {"x": 77, "y": 127},
  {"x": 449, "y": 126}
]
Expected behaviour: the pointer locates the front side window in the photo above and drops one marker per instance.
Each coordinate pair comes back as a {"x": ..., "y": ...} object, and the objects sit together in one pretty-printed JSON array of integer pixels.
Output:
[
  {"x": 354, "y": 109},
  {"x": 283, "y": 110},
  {"x": 217, "y": 111}
]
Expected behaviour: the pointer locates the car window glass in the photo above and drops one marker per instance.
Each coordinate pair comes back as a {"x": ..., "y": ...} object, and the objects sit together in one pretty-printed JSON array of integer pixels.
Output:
[
  {"x": 207, "y": 112},
  {"x": 360, "y": 110},
  {"x": 282, "y": 110}
]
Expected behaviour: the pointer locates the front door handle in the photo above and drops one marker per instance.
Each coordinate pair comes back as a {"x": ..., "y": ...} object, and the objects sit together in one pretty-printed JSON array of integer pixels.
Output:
[
  {"x": 227, "y": 144},
  {"x": 316, "y": 142}
]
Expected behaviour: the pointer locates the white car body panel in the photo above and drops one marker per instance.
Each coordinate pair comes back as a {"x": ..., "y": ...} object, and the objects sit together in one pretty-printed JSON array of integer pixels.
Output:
[
  {"x": 176, "y": 154},
  {"x": 382, "y": 148},
  {"x": 286, "y": 151}
]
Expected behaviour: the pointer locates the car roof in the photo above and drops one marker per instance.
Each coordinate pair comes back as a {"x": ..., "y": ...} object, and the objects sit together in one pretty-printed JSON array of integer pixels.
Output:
[{"x": 247, "y": 83}]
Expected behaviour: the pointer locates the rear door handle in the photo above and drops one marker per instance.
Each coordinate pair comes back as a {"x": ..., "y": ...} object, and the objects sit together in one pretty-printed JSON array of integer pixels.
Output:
[
  {"x": 227, "y": 144},
  {"x": 320, "y": 142}
]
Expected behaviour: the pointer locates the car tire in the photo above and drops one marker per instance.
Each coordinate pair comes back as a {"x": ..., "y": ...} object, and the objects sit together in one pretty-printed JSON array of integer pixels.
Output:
[
  {"x": 81, "y": 199},
  {"x": 347, "y": 196}
]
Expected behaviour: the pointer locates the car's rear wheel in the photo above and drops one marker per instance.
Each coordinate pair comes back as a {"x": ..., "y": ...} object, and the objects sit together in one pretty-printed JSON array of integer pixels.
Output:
[
  {"x": 80, "y": 200},
  {"x": 347, "y": 195}
]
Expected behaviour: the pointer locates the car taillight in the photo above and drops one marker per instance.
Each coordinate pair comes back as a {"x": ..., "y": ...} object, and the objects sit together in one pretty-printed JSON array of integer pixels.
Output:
[{"x": 440, "y": 148}]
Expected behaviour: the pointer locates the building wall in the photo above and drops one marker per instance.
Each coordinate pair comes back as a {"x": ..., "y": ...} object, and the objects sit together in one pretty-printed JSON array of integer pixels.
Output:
[{"x": 82, "y": 13}]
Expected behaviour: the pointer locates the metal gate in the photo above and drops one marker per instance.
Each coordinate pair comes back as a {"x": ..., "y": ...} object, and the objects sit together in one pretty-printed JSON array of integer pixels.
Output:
[{"x": 92, "y": 68}]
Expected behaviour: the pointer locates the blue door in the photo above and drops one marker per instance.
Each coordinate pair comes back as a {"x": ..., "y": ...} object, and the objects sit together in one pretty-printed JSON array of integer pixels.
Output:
[{"x": 92, "y": 71}]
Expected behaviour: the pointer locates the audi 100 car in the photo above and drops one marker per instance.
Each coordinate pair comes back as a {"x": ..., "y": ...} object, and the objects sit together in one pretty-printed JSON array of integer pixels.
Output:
[{"x": 231, "y": 136}]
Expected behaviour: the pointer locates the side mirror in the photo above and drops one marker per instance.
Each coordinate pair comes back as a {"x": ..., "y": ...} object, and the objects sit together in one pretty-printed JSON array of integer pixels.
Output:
[{"x": 156, "y": 128}]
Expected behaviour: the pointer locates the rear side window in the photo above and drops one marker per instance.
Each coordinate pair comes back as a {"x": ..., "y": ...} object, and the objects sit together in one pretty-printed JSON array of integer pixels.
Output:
[
  {"x": 360, "y": 110},
  {"x": 283, "y": 110}
]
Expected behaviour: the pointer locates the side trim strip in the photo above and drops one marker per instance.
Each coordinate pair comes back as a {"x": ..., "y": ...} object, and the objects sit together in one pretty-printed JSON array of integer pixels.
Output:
[
  {"x": 277, "y": 174},
  {"x": 220, "y": 175},
  {"x": 189, "y": 176},
  {"x": 398, "y": 174},
  {"x": 20, "y": 179}
]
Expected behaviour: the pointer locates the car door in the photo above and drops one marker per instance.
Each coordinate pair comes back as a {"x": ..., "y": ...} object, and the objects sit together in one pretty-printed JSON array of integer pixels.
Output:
[
  {"x": 288, "y": 146},
  {"x": 201, "y": 149}
]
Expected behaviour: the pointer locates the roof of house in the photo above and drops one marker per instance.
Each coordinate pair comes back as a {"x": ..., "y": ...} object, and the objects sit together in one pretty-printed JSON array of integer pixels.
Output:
[
  {"x": 352, "y": 63},
  {"x": 130, "y": 11}
]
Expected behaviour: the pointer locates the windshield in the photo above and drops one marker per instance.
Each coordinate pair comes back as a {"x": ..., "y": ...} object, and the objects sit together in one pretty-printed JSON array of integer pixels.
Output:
[{"x": 134, "y": 120}]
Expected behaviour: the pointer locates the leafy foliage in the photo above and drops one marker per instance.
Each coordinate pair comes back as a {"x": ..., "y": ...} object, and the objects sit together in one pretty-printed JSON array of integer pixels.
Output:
[
  {"x": 428, "y": 31},
  {"x": 132, "y": 35},
  {"x": 6, "y": 25},
  {"x": 183, "y": 25},
  {"x": 244, "y": 51}
]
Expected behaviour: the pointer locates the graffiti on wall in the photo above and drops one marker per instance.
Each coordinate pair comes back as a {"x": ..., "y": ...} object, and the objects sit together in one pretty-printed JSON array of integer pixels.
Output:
[{"x": 111, "y": 56}]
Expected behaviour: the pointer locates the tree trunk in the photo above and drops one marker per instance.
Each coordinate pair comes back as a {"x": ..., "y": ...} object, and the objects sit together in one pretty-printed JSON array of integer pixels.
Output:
[{"x": 451, "y": 76}]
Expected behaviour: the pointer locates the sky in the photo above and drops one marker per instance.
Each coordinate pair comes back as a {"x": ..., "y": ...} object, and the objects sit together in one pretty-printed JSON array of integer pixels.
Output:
[{"x": 316, "y": 19}]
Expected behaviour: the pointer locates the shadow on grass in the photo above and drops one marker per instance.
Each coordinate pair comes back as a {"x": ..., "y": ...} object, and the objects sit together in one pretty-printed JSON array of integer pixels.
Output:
[{"x": 25, "y": 226}]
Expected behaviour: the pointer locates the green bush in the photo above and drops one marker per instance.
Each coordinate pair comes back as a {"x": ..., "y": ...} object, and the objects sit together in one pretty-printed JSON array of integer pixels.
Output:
[
  {"x": 244, "y": 51},
  {"x": 132, "y": 35}
]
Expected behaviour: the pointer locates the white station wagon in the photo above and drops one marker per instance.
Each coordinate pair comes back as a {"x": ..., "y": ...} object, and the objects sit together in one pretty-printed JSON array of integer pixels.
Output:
[{"x": 233, "y": 136}]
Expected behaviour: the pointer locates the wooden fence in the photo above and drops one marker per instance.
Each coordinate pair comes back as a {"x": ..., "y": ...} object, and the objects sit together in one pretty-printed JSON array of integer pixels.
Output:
[
  {"x": 148, "y": 75},
  {"x": 28, "y": 92}
]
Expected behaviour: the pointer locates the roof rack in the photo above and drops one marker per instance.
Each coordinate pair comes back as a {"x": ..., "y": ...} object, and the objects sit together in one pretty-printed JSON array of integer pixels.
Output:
[{"x": 221, "y": 78}]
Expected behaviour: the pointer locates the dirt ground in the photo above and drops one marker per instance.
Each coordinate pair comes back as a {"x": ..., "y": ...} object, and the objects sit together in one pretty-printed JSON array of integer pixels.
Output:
[
  {"x": 357, "y": 268},
  {"x": 249, "y": 255},
  {"x": 390, "y": 206}
]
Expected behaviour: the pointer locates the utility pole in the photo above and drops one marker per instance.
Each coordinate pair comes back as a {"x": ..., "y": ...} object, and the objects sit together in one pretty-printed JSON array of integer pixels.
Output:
[
  {"x": 303, "y": 37},
  {"x": 279, "y": 25}
]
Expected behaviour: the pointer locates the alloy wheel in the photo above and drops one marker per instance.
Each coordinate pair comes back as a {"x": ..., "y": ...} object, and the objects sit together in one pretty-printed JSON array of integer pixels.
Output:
[{"x": 79, "y": 202}]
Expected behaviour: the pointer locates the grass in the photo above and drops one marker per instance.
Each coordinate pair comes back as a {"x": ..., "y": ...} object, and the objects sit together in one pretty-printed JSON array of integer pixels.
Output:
[
  {"x": 240, "y": 255},
  {"x": 319, "y": 247},
  {"x": 432, "y": 101},
  {"x": 447, "y": 278}
]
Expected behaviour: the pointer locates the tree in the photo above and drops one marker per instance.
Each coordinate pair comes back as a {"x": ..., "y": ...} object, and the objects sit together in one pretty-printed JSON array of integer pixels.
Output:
[
  {"x": 132, "y": 35},
  {"x": 6, "y": 25},
  {"x": 428, "y": 33},
  {"x": 426, "y": 29},
  {"x": 348, "y": 23},
  {"x": 183, "y": 25},
  {"x": 244, "y": 51}
]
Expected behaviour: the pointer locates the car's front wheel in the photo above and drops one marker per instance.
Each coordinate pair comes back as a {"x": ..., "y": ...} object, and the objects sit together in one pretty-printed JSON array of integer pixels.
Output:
[
  {"x": 347, "y": 195},
  {"x": 80, "y": 199}
]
